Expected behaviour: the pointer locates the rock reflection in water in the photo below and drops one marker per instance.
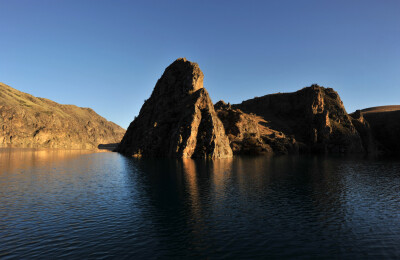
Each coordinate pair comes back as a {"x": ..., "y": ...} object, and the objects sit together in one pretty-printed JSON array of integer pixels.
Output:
[
  {"x": 104, "y": 205},
  {"x": 24, "y": 158}
]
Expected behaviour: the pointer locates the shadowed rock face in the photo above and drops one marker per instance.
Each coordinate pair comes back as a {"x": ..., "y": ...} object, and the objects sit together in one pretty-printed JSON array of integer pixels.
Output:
[
  {"x": 178, "y": 120},
  {"x": 363, "y": 128},
  {"x": 315, "y": 116},
  {"x": 28, "y": 121},
  {"x": 248, "y": 134},
  {"x": 384, "y": 123}
]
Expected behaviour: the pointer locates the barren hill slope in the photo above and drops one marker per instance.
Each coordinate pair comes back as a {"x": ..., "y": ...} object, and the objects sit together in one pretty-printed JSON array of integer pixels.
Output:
[{"x": 28, "y": 121}]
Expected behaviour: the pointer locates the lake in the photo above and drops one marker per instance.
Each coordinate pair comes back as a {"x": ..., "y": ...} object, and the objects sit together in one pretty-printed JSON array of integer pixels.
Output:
[{"x": 77, "y": 204}]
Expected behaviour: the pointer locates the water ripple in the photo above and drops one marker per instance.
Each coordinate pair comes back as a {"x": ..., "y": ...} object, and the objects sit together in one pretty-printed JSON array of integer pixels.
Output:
[{"x": 104, "y": 205}]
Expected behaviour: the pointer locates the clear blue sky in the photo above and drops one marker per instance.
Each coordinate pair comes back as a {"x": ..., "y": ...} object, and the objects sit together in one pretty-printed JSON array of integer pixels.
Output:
[{"x": 108, "y": 55}]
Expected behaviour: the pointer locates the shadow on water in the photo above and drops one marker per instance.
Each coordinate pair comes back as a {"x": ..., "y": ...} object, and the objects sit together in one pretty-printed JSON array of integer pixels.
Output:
[
  {"x": 109, "y": 147},
  {"x": 104, "y": 205},
  {"x": 257, "y": 206}
]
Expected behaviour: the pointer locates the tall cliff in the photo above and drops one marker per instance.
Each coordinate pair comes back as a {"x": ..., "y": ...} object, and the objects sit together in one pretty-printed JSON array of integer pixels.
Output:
[
  {"x": 178, "y": 120},
  {"x": 314, "y": 116},
  {"x": 28, "y": 121}
]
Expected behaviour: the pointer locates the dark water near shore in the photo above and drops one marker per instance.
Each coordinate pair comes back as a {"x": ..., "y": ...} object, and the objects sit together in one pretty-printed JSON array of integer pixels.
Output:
[{"x": 73, "y": 204}]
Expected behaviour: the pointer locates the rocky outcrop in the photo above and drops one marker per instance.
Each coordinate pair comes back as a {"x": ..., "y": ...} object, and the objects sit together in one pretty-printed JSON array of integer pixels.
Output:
[
  {"x": 178, "y": 120},
  {"x": 314, "y": 116},
  {"x": 248, "y": 134},
  {"x": 28, "y": 121}
]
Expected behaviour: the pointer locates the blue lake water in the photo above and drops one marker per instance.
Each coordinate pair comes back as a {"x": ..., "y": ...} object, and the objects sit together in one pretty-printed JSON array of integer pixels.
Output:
[{"x": 75, "y": 204}]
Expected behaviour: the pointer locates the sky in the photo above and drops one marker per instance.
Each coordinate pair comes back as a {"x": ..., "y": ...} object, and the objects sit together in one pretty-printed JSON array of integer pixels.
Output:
[{"x": 108, "y": 55}]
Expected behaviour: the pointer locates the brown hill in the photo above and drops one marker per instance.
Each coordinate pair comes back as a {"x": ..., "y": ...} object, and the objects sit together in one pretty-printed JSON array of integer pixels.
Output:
[
  {"x": 178, "y": 120},
  {"x": 28, "y": 121}
]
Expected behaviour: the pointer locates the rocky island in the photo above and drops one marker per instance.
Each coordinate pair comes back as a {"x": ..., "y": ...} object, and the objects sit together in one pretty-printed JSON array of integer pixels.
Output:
[
  {"x": 179, "y": 120},
  {"x": 28, "y": 121}
]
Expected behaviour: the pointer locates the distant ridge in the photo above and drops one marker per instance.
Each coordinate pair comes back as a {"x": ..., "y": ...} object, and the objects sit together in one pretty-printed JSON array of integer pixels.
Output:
[
  {"x": 381, "y": 109},
  {"x": 28, "y": 121}
]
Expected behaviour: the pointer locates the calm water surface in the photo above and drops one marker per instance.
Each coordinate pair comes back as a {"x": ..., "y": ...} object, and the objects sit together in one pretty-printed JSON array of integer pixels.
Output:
[{"x": 74, "y": 204}]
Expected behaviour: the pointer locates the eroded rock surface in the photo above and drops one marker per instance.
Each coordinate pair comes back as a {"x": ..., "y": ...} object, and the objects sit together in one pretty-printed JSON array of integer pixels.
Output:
[
  {"x": 28, "y": 121},
  {"x": 314, "y": 116},
  {"x": 178, "y": 120},
  {"x": 248, "y": 133}
]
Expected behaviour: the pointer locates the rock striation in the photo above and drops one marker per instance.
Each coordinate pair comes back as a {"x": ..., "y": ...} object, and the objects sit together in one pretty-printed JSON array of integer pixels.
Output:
[
  {"x": 178, "y": 120},
  {"x": 314, "y": 117},
  {"x": 28, "y": 121}
]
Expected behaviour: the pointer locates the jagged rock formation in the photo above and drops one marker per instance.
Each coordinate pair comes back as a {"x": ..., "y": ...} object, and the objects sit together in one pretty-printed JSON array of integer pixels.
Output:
[
  {"x": 28, "y": 121},
  {"x": 384, "y": 124},
  {"x": 314, "y": 116},
  {"x": 178, "y": 120},
  {"x": 248, "y": 134}
]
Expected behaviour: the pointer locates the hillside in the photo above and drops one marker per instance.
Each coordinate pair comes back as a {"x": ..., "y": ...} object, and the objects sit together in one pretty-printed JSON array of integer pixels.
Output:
[{"x": 28, "y": 121}]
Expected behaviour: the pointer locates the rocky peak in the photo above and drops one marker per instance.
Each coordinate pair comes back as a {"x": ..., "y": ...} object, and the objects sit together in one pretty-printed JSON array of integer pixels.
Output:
[
  {"x": 222, "y": 105},
  {"x": 178, "y": 120},
  {"x": 180, "y": 78}
]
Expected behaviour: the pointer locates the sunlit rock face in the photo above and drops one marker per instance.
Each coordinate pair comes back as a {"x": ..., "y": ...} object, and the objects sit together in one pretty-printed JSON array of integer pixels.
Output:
[
  {"x": 314, "y": 116},
  {"x": 178, "y": 120},
  {"x": 28, "y": 121}
]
